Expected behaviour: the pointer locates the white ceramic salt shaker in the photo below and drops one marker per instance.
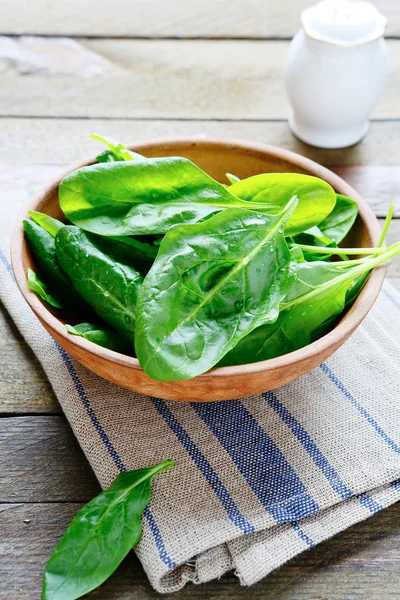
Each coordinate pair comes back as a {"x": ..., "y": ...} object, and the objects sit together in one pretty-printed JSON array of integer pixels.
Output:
[{"x": 335, "y": 72}]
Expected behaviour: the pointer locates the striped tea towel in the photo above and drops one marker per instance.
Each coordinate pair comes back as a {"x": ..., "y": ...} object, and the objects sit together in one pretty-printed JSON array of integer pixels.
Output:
[{"x": 258, "y": 480}]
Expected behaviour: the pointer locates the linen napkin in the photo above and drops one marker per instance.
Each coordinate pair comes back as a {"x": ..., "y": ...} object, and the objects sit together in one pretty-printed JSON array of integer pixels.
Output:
[{"x": 257, "y": 480}]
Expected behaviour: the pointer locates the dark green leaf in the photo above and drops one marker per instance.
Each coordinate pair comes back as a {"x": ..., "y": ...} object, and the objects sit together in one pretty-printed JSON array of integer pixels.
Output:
[
  {"x": 339, "y": 222},
  {"x": 211, "y": 284},
  {"x": 43, "y": 249},
  {"x": 100, "y": 536},
  {"x": 100, "y": 336},
  {"x": 316, "y": 197},
  {"x": 40, "y": 288},
  {"x": 110, "y": 286}
]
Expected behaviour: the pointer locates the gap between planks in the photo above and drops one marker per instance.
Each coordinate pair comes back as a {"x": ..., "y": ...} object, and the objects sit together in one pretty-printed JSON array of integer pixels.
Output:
[{"x": 158, "y": 18}]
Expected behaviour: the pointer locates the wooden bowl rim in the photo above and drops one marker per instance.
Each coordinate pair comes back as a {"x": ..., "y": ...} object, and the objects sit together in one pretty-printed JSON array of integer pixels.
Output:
[{"x": 343, "y": 329}]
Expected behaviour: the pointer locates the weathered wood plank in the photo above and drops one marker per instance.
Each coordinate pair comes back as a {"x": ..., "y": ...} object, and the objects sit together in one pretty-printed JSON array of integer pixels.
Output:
[
  {"x": 24, "y": 387},
  {"x": 155, "y": 79},
  {"x": 47, "y": 463},
  {"x": 64, "y": 141},
  {"x": 157, "y": 18},
  {"x": 362, "y": 562}
]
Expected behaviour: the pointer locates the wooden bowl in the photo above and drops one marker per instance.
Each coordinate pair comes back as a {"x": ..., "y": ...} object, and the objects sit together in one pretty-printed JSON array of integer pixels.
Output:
[{"x": 216, "y": 157}]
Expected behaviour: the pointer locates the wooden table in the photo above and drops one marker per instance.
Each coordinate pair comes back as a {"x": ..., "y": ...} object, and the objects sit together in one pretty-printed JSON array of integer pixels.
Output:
[{"x": 137, "y": 70}]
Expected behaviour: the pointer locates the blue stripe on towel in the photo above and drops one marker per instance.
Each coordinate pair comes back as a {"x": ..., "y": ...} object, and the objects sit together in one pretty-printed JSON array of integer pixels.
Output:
[
  {"x": 104, "y": 437},
  {"x": 396, "y": 485},
  {"x": 359, "y": 408},
  {"x": 260, "y": 461},
  {"x": 302, "y": 535},
  {"x": 204, "y": 466},
  {"x": 391, "y": 298},
  {"x": 7, "y": 265},
  {"x": 309, "y": 445},
  {"x": 369, "y": 503}
]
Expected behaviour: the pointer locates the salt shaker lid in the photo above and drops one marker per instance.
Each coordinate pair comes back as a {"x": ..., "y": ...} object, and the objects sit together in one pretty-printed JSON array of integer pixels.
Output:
[{"x": 343, "y": 22}]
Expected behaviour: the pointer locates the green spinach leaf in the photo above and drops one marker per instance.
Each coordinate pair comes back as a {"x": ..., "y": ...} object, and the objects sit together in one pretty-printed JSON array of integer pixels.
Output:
[
  {"x": 40, "y": 288},
  {"x": 50, "y": 224},
  {"x": 339, "y": 222},
  {"x": 116, "y": 151},
  {"x": 100, "y": 336},
  {"x": 141, "y": 197},
  {"x": 316, "y": 197},
  {"x": 211, "y": 284},
  {"x": 321, "y": 292},
  {"x": 100, "y": 536},
  {"x": 110, "y": 286},
  {"x": 148, "y": 197},
  {"x": 43, "y": 249}
]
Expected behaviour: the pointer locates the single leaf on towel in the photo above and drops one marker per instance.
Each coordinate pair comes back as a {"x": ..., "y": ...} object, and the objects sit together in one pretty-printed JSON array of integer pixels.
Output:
[{"x": 100, "y": 536}]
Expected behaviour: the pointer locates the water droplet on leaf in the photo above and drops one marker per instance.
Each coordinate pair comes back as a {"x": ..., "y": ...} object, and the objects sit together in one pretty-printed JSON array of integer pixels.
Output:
[{"x": 239, "y": 304}]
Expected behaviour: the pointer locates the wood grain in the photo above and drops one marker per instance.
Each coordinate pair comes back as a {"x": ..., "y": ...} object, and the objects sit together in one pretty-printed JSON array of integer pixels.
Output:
[
  {"x": 64, "y": 141},
  {"x": 361, "y": 563},
  {"x": 123, "y": 78},
  {"x": 47, "y": 464},
  {"x": 158, "y": 18},
  {"x": 24, "y": 387},
  {"x": 37, "y": 144}
]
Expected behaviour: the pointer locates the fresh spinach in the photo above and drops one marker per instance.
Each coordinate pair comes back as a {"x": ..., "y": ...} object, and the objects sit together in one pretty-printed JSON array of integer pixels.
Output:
[
  {"x": 50, "y": 224},
  {"x": 320, "y": 293},
  {"x": 316, "y": 197},
  {"x": 110, "y": 286},
  {"x": 40, "y": 288},
  {"x": 339, "y": 222},
  {"x": 43, "y": 249},
  {"x": 100, "y": 536},
  {"x": 116, "y": 151},
  {"x": 101, "y": 336},
  {"x": 211, "y": 284},
  {"x": 220, "y": 286},
  {"x": 148, "y": 197}
]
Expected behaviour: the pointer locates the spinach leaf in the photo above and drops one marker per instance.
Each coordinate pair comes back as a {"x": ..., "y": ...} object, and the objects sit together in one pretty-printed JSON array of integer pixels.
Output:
[
  {"x": 314, "y": 237},
  {"x": 332, "y": 230},
  {"x": 211, "y": 284},
  {"x": 141, "y": 197},
  {"x": 339, "y": 222},
  {"x": 110, "y": 286},
  {"x": 316, "y": 197},
  {"x": 50, "y": 224},
  {"x": 100, "y": 536},
  {"x": 43, "y": 249},
  {"x": 40, "y": 288},
  {"x": 116, "y": 152},
  {"x": 148, "y": 197},
  {"x": 101, "y": 336},
  {"x": 321, "y": 292}
]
